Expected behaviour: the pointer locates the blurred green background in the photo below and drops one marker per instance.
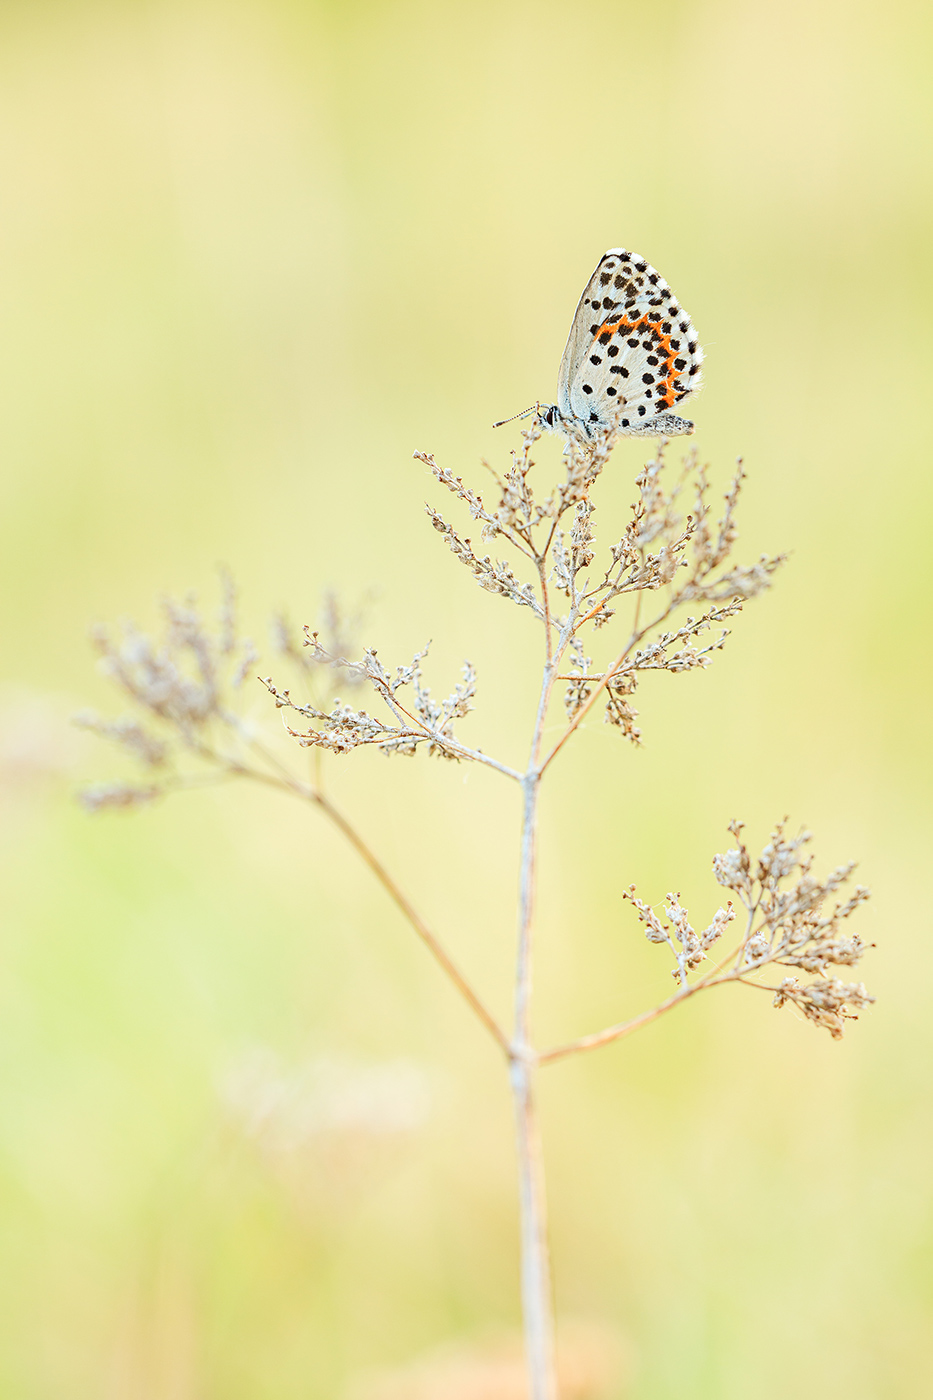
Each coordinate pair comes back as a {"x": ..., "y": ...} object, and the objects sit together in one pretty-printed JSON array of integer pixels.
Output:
[{"x": 251, "y": 256}]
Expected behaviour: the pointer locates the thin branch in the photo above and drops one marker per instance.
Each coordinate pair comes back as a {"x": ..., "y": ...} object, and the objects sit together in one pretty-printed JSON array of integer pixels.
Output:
[
  {"x": 309, "y": 794},
  {"x": 415, "y": 919},
  {"x": 624, "y": 1028},
  {"x": 447, "y": 741},
  {"x": 609, "y": 675},
  {"x": 546, "y": 605},
  {"x": 477, "y": 756}
]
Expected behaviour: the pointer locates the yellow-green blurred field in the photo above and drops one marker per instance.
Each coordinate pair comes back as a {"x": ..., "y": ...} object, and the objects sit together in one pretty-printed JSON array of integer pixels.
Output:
[{"x": 252, "y": 255}]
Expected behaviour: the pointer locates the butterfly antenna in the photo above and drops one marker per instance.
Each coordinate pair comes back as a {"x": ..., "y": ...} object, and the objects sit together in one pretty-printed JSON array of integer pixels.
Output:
[{"x": 524, "y": 414}]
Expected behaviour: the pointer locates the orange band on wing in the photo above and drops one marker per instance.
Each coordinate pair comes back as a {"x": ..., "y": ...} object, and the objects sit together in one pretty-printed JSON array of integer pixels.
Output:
[{"x": 667, "y": 375}]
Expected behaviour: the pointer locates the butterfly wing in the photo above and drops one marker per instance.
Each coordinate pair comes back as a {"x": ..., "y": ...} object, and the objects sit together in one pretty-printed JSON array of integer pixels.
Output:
[{"x": 632, "y": 353}]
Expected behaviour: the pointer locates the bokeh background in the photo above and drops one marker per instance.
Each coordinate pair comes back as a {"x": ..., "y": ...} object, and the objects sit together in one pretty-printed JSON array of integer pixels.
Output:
[{"x": 251, "y": 256}]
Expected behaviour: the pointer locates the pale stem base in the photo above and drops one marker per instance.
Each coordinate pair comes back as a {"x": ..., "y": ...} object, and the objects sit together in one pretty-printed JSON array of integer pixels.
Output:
[{"x": 537, "y": 1304}]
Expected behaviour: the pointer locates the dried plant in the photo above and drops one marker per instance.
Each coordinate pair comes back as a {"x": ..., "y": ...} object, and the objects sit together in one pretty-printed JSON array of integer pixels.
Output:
[
  {"x": 592, "y": 1361},
  {"x": 658, "y": 599}
]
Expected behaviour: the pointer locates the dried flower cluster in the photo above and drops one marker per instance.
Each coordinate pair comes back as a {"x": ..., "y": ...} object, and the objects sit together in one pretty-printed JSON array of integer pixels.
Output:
[
  {"x": 342, "y": 728},
  {"x": 662, "y": 550},
  {"x": 789, "y": 925},
  {"x": 186, "y": 687},
  {"x": 593, "y": 1361},
  {"x": 689, "y": 948},
  {"x": 786, "y": 926},
  {"x": 283, "y": 1106}
]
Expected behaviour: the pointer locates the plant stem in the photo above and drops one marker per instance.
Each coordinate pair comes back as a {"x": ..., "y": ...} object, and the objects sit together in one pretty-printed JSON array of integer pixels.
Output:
[
  {"x": 537, "y": 1294},
  {"x": 537, "y": 1301}
]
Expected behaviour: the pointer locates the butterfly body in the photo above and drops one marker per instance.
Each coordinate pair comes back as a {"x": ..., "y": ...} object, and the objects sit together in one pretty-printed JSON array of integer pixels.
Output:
[{"x": 631, "y": 356}]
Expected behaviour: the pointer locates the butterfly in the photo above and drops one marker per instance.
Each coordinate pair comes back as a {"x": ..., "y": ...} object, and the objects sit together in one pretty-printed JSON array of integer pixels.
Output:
[{"x": 631, "y": 355}]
